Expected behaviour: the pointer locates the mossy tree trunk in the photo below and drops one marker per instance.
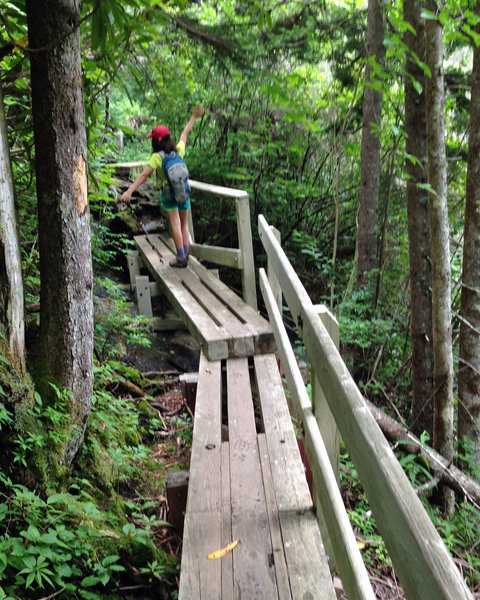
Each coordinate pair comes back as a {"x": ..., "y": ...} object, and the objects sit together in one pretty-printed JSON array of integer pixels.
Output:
[{"x": 66, "y": 306}]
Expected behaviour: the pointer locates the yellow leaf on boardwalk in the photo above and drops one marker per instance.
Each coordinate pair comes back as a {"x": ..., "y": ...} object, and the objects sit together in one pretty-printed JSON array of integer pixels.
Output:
[{"x": 223, "y": 551}]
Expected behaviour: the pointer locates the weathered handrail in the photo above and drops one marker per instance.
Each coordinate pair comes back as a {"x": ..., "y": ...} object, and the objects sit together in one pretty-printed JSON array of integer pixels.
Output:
[
  {"x": 239, "y": 258},
  {"x": 421, "y": 560}
]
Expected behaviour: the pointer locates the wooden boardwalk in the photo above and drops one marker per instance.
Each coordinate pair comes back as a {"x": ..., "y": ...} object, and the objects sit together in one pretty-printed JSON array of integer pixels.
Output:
[{"x": 247, "y": 480}]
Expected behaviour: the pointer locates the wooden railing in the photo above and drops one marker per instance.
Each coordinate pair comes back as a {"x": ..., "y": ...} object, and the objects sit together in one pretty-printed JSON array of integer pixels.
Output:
[
  {"x": 420, "y": 558},
  {"x": 238, "y": 258}
]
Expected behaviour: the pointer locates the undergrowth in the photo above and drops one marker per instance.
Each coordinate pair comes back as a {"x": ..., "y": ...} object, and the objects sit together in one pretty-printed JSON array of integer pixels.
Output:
[
  {"x": 460, "y": 532},
  {"x": 98, "y": 533}
]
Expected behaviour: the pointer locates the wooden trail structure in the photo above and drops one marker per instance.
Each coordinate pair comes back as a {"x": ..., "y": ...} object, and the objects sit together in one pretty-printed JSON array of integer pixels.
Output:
[{"x": 247, "y": 481}]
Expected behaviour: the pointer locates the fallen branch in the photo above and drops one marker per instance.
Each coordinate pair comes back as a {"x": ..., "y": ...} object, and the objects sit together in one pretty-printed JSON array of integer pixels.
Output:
[{"x": 447, "y": 473}]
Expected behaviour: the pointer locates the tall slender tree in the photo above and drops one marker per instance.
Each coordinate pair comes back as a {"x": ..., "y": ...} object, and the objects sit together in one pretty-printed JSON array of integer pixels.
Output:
[
  {"x": 440, "y": 243},
  {"x": 66, "y": 313},
  {"x": 418, "y": 223},
  {"x": 11, "y": 279},
  {"x": 370, "y": 147},
  {"x": 469, "y": 369}
]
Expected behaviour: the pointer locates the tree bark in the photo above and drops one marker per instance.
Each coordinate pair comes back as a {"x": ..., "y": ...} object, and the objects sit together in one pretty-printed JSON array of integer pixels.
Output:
[
  {"x": 370, "y": 148},
  {"x": 469, "y": 370},
  {"x": 66, "y": 307},
  {"x": 418, "y": 225},
  {"x": 11, "y": 278},
  {"x": 440, "y": 244}
]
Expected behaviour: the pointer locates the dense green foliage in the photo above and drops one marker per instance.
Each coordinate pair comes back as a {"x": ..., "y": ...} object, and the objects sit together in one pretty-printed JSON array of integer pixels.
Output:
[{"x": 282, "y": 85}]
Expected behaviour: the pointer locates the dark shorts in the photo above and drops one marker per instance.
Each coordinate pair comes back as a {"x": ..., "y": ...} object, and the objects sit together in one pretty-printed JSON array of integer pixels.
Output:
[{"x": 169, "y": 203}]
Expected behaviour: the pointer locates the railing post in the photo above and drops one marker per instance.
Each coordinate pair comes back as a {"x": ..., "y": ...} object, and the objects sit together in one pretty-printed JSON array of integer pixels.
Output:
[{"x": 245, "y": 244}]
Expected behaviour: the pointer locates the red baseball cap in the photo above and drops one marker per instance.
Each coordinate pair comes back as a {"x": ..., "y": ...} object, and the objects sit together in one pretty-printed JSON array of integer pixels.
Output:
[{"x": 159, "y": 132}]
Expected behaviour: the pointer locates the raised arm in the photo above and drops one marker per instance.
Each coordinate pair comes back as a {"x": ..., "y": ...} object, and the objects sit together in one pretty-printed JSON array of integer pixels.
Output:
[{"x": 198, "y": 111}]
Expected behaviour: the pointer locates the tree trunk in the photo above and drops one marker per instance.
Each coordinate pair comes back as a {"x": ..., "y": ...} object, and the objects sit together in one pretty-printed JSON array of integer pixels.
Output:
[
  {"x": 66, "y": 308},
  {"x": 440, "y": 244},
  {"x": 418, "y": 226},
  {"x": 370, "y": 148},
  {"x": 12, "y": 324},
  {"x": 469, "y": 371}
]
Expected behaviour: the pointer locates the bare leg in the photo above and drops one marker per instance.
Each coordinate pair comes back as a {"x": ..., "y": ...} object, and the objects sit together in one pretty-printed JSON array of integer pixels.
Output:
[
  {"x": 184, "y": 227},
  {"x": 176, "y": 227}
]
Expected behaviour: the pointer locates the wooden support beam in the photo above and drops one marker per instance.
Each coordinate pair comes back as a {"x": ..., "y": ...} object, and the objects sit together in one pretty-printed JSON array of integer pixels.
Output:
[
  {"x": 134, "y": 264},
  {"x": 144, "y": 300}
]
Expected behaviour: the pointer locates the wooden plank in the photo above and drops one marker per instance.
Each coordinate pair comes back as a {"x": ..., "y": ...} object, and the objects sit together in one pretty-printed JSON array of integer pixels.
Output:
[
  {"x": 278, "y": 556},
  {"x": 134, "y": 263},
  {"x": 260, "y": 328},
  {"x": 215, "y": 316},
  {"x": 240, "y": 339},
  {"x": 204, "y": 492},
  {"x": 226, "y": 257},
  {"x": 323, "y": 414},
  {"x": 291, "y": 488},
  {"x": 332, "y": 512},
  {"x": 227, "y": 560},
  {"x": 307, "y": 564},
  {"x": 293, "y": 290},
  {"x": 253, "y": 571},
  {"x": 272, "y": 278},
  {"x": 200, "y": 578},
  {"x": 144, "y": 300},
  {"x": 237, "y": 305},
  {"x": 246, "y": 476}
]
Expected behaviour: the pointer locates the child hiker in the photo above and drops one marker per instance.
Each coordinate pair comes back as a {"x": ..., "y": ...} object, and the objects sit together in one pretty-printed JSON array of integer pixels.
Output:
[{"x": 176, "y": 208}]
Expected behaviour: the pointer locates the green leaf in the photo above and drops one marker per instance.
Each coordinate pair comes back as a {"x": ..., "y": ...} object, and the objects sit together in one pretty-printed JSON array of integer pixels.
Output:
[
  {"x": 90, "y": 580},
  {"x": 64, "y": 570},
  {"x": 29, "y": 562},
  {"x": 3, "y": 562},
  {"x": 54, "y": 498}
]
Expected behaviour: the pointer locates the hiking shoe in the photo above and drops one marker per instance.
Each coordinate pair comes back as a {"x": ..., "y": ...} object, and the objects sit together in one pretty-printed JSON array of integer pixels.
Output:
[{"x": 179, "y": 263}]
